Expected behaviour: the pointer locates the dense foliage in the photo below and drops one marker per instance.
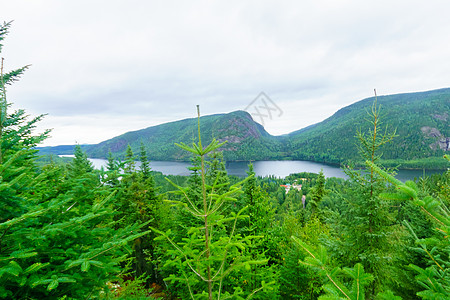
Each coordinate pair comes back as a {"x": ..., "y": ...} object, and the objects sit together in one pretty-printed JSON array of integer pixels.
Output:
[{"x": 68, "y": 231}]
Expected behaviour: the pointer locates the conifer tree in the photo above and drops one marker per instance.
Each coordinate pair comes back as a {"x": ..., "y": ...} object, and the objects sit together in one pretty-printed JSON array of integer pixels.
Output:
[
  {"x": 261, "y": 248},
  {"x": 368, "y": 222},
  {"x": 216, "y": 172},
  {"x": 434, "y": 278},
  {"x": 143, "y": 158},
  {"x": 335, "y": 287},
  {"x": 210, "y": 252},
  {"x": 111, "y": 162},
  {"x": 365, "y": 231},
  {"x": 368, "y": 225},
  {"x": 80, "y": 165},
  {"x": 194, "y": 182},
  {"x": 138, "y": 203},
  {"x": 130, "y": 161},
  {"x": 113, "y": 168},
  {"x": 53, "y": 243},
  {"x": 16, "y": 144},
  {"x": 317, "y": 194}
]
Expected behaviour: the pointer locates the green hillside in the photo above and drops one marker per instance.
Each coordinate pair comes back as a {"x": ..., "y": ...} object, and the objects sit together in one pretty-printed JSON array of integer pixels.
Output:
[
  {"x": 247, "y": 140},
  {"x": 421, "y": 121}
]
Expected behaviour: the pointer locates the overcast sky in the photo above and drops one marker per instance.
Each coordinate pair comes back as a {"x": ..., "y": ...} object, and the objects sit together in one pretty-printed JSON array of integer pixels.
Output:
[{"x": 102, "y": 68}]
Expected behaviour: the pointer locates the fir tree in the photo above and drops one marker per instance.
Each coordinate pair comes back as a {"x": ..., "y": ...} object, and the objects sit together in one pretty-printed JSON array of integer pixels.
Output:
[
  {"x": 317, "y": 194},
  {"x": 16, "y": 144},
  {"x": 145, "y": 164},
  {"x": 111, "y": 165},
  {"x": 138, "y": 203},
  {"x": 368, "y": 225},
  {"x": 53, "y": 244},
  {"x": 130, "y": 161},
  {"x": 259, "y": 225},
  {"x": 80, "y": 164},
  {"x": 112, "y": 170},
  {"x": 209, "y": 254},
  {"x": 216, "y": 172},
  {"x": 434, "y": 278}
]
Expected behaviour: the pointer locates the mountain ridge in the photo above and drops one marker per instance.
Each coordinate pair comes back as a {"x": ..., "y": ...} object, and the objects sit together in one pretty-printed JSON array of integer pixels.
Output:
[
  {"x": 237, "y": 128},
  {"x": 408, "y": 113},
  {"x": 421, "y": 120}
]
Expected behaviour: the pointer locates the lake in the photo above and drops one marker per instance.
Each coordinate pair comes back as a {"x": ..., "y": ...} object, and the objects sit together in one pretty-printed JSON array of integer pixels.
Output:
[{"x": 265, "y": 168}]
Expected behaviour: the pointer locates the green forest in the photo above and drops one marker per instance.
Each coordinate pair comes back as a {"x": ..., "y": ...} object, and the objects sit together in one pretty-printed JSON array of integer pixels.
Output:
[
  {"x": 69, "y": 231},
  {"x": 420, "y": 120}
]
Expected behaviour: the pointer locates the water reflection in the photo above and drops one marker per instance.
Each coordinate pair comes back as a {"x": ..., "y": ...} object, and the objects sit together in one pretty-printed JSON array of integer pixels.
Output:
[
  {"x": 283, "y": 168},
  {"x": 266, "y": 168}
]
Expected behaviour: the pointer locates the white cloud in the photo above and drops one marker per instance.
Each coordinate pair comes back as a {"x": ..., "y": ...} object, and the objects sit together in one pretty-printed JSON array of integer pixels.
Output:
[{"x": 103, "y": 67}]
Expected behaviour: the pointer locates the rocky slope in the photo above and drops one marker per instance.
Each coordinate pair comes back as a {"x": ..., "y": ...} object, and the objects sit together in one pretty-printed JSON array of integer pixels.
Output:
[{"x": 245, "y": 138}]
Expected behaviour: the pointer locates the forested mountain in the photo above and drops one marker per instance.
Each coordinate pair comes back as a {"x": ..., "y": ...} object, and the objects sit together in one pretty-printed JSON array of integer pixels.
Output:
[
  {"x": 421, "y": 121},
  {"x": 246, "y": 139}
]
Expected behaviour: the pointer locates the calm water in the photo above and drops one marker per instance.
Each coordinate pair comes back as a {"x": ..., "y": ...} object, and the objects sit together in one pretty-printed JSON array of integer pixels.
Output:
[{"x": 265, "y": 168}]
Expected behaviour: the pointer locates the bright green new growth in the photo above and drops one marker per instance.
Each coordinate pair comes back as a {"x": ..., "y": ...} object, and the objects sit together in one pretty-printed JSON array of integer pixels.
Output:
[
  {"x": 365, "y": 226},
  {"x": 368, "y": 220},
  {"x": 335, "y": 289},
  {"x": 435, "y": 279},
  {"x": 212, "y": 250}
]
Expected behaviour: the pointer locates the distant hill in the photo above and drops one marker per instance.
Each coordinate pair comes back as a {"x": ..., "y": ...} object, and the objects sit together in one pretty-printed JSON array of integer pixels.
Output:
[
  {"x": 59, "y": 150},
  {"x": 421, "y": 120},
  {"x": 247, "y": 140}
]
